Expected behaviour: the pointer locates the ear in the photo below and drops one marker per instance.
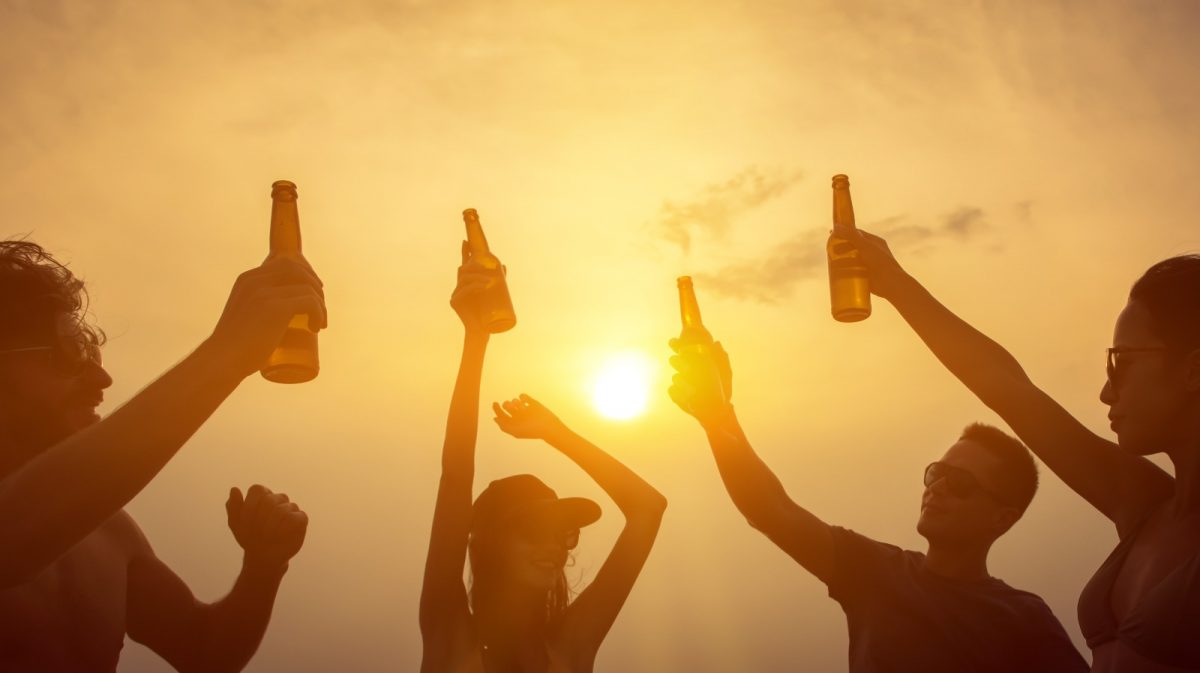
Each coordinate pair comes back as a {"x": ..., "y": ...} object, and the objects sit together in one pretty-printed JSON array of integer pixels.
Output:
[{"x": 1191, "y": 371}]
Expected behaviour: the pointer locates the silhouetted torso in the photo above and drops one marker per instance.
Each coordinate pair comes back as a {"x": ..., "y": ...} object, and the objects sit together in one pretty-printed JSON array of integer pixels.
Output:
[
  {"x": 462, "y": 652},
  {"x": 1141, "y": 610},
  {"x": 71, "y": 617},
  {"x": 902, "y": 617}
]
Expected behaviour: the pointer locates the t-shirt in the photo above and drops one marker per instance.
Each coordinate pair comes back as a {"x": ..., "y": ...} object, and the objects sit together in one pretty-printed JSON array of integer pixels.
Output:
[{"x": 904, "y": 618}]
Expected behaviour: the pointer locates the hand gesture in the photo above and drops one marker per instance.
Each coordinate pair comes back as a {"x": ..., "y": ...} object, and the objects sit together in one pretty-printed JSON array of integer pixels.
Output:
[
  {"x": 526, "y": 418},
  {"x": 885, "y": 271},
  {"x": 260, "y": 306},
  {"x": 269, "y": 527},
  {"x": 703, "y": 381},
  {"x": 467, "y": 300}
]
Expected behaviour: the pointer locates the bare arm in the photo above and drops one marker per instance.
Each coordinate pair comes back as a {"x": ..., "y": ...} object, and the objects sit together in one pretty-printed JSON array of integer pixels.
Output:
[
  {"x": 443, "y": 596},
  {"x": 1122, "y": 486},
  {"x": 589, "y": 618},
  {"x": 220, "y": 637},
  {"x": 58, "y": 498},
  {"x": 702, "y": 387}
]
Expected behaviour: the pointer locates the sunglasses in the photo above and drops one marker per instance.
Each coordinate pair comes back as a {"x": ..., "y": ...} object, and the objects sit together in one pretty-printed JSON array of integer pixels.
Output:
[
  {"x": 535, "y": 532},
  {"x": 959, "y": 482},
  {"x": 70, "y": 358},
  {"x": 1114, "y": 358}
]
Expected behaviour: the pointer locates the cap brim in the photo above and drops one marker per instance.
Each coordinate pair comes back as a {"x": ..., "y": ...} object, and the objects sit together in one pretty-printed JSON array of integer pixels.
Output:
[{"x": 564, "y": 513}]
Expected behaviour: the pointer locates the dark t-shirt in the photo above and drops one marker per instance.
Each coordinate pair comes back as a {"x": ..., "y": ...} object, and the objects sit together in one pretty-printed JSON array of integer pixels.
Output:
[{"x": 904, "y": 618}]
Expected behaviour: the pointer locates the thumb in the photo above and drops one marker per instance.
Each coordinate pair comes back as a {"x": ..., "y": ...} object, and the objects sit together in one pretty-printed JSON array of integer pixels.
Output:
[
  {"x": 233, "y": 505},
  {"x": 466, "y": 252}
]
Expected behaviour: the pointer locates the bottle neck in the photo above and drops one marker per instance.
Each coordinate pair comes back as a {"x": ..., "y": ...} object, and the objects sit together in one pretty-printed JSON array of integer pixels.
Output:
[
  {"x": 285, "y": 228},
  {"x": 689, "y": 316},
  {"x": 843, "y": 211},
  {"x": 475, "y": 238}
]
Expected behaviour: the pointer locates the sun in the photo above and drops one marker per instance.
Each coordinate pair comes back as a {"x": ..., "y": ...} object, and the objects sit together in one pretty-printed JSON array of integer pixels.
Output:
[{"x": 622, "y": 385}]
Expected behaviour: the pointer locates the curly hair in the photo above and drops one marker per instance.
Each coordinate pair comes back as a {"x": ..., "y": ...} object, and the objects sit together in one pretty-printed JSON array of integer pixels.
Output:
[{"x": 35, "y": 290}]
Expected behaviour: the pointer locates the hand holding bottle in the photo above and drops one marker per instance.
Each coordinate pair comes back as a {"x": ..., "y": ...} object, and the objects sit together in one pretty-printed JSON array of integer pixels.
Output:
[
  {"x": 703, "y": 381},
  {"x": 469, "y": 299},
  {"x": 886, "y": 273}
]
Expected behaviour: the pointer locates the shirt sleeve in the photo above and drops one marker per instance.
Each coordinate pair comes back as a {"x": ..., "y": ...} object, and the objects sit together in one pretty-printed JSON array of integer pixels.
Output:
[{"x": 860, "y": 564}]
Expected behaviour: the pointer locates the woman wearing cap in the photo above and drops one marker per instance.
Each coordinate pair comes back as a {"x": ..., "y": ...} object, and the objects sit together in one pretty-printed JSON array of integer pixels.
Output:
[
  {"x": 1140, "y": 613},
  {"x": 517, "y": 616}
]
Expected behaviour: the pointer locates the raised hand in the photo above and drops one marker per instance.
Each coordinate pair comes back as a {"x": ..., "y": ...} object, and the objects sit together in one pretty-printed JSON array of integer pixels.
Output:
[
  {"x": 260, "y": 306},
  {"x": 886, "y": 273},
  {"x": 526, "y": 418},
  {"x": 703, "y": 381},
  {"x": 269, "y": 527},
  {"x": 467, "y": 299}
]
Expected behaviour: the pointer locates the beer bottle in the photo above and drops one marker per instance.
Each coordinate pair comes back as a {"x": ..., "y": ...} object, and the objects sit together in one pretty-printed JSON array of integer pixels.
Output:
[
  {"x": 497, "y": 307},
  {"x": 694, "y": 334},
  {"x": 849, "y": 291},
  {"x": 294, "y": 360}
]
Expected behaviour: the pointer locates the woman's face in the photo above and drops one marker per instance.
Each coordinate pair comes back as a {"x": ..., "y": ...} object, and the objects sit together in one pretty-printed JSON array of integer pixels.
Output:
[
  {"x": 1147, "y": 402},
  {"x": 535, "y": 555}
]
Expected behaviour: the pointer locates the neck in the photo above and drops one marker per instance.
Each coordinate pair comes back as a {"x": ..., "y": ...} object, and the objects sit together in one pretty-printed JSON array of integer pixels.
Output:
[
  {"x": 512, "y": 615},
  {"x": 1186, "y": 500},
  {"x": 958, "y": 561}
]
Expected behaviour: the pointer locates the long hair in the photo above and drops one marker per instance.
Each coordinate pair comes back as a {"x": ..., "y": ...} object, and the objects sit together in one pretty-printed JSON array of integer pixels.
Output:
[
  {"x": 485, "y": 552},
  {"x": 35, "y": 289}
]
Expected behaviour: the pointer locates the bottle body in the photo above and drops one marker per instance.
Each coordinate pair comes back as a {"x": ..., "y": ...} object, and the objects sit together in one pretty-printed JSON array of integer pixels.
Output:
[
  {"x": 495, "y": 301},
  {"x": 849, "y": 286},
  {"x": 295, "y": 359},
  {"x": 693, "y": 335}
]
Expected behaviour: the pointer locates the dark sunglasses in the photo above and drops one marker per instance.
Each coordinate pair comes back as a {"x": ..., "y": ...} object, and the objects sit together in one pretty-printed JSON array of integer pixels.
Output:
[
  {"x": 1114, "y": 358},
  {"x": 69, "y": 358},
  {"x": 959, "y": 482},
  {"x": 536, "y": 532}
]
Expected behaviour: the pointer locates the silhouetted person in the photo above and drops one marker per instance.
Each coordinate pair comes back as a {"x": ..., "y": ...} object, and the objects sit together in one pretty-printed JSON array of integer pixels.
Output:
[
  {"x": 1141, "y": 610},
  {"x": 76, "y": 573},
  {"x": 517, "y": 616},
  {"x": 906, "y": 611}
]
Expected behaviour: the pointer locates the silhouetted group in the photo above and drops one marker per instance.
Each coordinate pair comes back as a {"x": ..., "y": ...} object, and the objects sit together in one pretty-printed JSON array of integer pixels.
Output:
[{"x": 77, "y": 575}]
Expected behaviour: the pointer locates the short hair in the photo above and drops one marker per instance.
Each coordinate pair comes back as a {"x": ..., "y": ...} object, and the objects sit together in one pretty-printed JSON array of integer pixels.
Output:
[
  {"x": 35, "y": 289},
  {"x": 1018, "y": 474},
  {"x": 1170, "y": 291}
]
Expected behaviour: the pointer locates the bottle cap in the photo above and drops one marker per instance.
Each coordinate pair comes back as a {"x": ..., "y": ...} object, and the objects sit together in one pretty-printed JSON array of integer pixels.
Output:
[
  {"x": 283, "y": 190},
  {"x": 840, "y": 178}
]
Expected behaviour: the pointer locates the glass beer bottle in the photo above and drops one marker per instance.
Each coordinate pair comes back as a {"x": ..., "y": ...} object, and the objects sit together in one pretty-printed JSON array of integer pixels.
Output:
[
  {"x": 849, "y": 291},
  {"x": 294, "y": 360},
  {"x": 498, "y": 314},
  {"x": 694, "y": 334}
]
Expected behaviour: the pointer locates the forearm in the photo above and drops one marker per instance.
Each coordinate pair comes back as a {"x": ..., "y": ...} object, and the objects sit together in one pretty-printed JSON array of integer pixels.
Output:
[
  {"x": 234, "y": 626},
  {"x": 753, "y": 487},
  {"x": 462, "y": 423},
  {"x": 983, "y": 365},
  {"x": 632, "y": 494},
  {"x": 59, "y": 497}
]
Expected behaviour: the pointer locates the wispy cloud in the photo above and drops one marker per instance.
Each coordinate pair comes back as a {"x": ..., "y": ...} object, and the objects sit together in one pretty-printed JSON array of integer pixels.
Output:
[
  {"x": 772, "y": 277},
  {"x": 719, "y": 204}
]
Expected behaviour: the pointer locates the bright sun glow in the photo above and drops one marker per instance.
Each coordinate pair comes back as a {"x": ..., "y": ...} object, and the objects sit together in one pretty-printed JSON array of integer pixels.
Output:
[{"x": 622, "y": 386}]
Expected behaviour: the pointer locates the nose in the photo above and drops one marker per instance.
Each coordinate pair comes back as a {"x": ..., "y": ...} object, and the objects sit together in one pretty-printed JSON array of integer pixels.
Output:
[
  {"x": 98, "y": 376},
  {"x": 1107, "y": 394}
]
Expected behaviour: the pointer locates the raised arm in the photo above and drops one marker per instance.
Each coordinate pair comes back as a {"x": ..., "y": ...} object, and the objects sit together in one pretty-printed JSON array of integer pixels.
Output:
[
  {"x": 219, "y": 637},
  {"x": 1122, "y": 486},
  {"x": 702, "y": 386},
  {"x": 58, "y": 498},
  {"x": 443, "y": 596},
  {"x": 592, "y": 614}
]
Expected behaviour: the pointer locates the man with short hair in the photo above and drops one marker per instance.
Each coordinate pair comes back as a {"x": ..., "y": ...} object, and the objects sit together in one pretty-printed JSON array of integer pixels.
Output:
[
  {"x": 937, "y": 612},
  {"x": 76, "y": 573}
]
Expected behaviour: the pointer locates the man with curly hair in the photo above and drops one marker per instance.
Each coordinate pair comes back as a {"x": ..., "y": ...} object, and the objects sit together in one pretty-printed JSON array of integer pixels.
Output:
[{"x": 76, "y": 573}]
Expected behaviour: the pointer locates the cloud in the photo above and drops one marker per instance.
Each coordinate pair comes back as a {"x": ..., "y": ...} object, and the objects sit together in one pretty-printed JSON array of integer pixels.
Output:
[
  {"x": 772, "y": 277},
  {"x": 719, "y": 204}
]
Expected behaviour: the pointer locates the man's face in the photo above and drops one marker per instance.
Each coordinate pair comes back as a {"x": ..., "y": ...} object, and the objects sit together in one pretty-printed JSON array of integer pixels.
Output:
[
  {"x": 48, "y": 392},
  {"x": 956, "y": 511}
]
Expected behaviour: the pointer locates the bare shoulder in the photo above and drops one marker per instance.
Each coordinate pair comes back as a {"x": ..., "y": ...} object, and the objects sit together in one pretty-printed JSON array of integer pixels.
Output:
[{"x": 122, "y": 531}]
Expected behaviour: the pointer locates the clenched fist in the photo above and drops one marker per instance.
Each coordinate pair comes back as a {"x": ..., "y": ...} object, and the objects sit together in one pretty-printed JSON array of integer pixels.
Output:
[{"x": 269, "y": 527}]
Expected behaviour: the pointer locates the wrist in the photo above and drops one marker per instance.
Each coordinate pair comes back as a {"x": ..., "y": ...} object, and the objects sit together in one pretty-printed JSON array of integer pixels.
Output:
[
  {"x": 720, "y": 419},
  {"x": 219, "y": 363},
  {"x": 263, "y": 569}
]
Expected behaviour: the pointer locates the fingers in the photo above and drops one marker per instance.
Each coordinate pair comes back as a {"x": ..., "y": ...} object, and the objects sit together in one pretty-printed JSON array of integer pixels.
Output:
[
  {"x": 674, "y": 344},
  {"x": 466, "y": 253},
  {"x": 501, "y": 415},
  {"x": 530, "y": 402},
  {"x": 233, "y": 506}
]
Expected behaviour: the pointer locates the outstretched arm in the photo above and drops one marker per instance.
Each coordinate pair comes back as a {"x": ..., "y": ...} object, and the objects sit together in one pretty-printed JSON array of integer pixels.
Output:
[
  {"x": 443, "y": 596},
  {"x": 59, "y": 497},
  {"x": 702, "y": 387},
  {"x": 220, "y": 637},
  {"x": 588, "y": 619},
  {"x": 1122, "y": 486}
]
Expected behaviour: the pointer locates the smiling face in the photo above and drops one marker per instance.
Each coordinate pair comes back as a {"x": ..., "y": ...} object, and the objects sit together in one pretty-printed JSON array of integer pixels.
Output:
[
  {"x": 49, "y": 391},
  {"x": 534, "y": 553},
  {"x": 960, "y": 504},
  {"x": 1149, "y": 404}
]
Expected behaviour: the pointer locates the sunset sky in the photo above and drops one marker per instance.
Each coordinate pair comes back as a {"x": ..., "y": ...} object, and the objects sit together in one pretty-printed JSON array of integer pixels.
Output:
[{"x": 1027, "y": 160}]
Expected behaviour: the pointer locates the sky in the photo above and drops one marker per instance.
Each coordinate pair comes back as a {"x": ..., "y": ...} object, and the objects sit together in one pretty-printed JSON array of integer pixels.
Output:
[{"x": 1026, "y": 160}]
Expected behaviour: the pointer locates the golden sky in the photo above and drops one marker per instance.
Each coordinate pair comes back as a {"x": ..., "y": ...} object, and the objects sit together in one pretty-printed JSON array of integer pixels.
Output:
[{"x": 1027, "y": 159}]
